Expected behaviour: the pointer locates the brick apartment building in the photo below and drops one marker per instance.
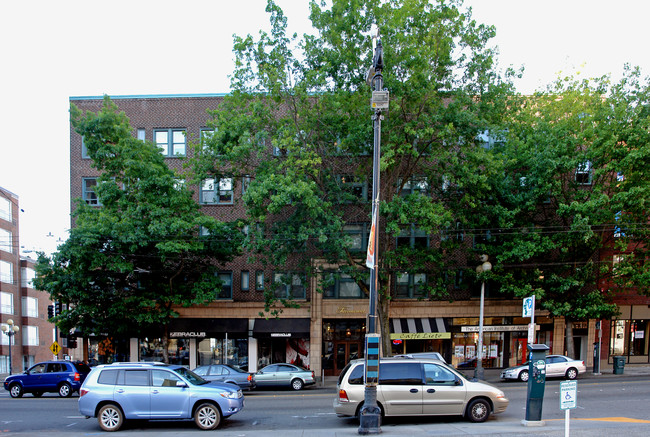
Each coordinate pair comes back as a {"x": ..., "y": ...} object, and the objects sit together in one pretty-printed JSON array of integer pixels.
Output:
[
  {"x": 328, "y": 329},
  {"x": 19, "y": 302}
]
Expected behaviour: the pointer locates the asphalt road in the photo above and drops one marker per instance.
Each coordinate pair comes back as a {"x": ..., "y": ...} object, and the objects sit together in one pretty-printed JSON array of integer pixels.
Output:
[{"x": 620, "y": 402}]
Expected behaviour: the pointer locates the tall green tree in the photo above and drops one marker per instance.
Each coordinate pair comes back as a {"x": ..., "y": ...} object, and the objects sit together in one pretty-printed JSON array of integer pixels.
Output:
[
  {"x": 144, "y": 251},
  {"x": 573, "y": 187},
  {"x": 298, "y": 123}
]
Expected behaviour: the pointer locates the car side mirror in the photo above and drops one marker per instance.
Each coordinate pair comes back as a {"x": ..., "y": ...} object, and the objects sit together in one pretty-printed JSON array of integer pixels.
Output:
[
  {"x": 259, "y": 372},
  {"x": 181, "y": 384}
]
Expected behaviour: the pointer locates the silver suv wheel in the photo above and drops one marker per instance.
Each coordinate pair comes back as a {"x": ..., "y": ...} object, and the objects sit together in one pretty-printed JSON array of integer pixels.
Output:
[{"x": 110, "y": 417}]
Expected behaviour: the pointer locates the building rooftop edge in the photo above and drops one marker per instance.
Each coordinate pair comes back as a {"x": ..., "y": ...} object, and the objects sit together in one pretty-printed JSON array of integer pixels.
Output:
[{"x": 148, "y": 96}]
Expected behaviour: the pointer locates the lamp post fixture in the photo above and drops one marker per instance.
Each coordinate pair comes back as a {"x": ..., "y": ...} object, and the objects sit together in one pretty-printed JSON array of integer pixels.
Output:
[
  {"x": 10, "y": 330},
  {"x": 485, "y": 267},
  {"x": 370, "y": 413}
]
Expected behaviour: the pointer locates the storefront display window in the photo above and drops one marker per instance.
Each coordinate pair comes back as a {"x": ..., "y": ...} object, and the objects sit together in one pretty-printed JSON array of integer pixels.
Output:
[
  {"x": 223, "y": 351},
  {"x": 629, "y": 337},
  {"x": 283, "y": 350},
  {"x": 465, "y": 352},
  {"x": 107, "y": 350},
  {"x": 178, "y": 350}
]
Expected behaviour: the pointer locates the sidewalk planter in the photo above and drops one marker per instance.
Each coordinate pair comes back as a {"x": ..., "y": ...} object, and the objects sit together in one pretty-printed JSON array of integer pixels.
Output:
[{"x": 619, "y": 365}]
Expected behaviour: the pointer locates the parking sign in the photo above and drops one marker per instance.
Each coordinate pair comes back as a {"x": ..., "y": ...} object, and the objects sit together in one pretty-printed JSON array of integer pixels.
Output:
[{"x": 568, "y": 395}]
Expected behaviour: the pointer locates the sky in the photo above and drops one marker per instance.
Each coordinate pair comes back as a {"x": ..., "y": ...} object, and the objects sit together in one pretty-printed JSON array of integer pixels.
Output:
[{"x": 52, "y": 51}]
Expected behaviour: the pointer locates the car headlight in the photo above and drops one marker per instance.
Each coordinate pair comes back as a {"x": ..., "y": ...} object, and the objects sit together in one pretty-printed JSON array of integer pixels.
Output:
[
  {"x": 501, "y": 395},
  {"x": 231, "y": 394}
]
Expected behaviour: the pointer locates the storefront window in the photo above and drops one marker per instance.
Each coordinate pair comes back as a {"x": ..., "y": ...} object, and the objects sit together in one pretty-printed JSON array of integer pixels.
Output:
[
  {"x": 107, "y": 350},
  {"x": 465, "y": 352},
  {"x": 178, "y": 350},
  {"x": 222, "y": 351},
  {"x": 629, "y": 337},
  {"x": 283, "y": 350}
]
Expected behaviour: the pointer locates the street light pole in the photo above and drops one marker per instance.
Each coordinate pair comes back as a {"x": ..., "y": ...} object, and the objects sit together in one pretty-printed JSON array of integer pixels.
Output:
[
  {"x": 485, "y": 267},
  {"x": 370, "y": 414},
  {"x": 10, "y": 330}
]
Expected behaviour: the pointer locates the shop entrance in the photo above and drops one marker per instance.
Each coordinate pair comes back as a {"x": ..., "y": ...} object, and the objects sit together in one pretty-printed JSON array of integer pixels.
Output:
[{"x": 344, "y": 352}]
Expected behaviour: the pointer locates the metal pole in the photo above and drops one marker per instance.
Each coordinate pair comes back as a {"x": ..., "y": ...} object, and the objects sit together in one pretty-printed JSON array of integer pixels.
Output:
[
  {"x": 10, "y": 334},
  {"x": 478, "y": 373},
  {"x": 370, "y": 414}
]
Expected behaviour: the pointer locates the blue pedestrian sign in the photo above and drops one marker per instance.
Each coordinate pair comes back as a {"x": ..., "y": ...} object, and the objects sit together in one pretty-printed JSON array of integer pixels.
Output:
[{"x": 529, "y": 306}]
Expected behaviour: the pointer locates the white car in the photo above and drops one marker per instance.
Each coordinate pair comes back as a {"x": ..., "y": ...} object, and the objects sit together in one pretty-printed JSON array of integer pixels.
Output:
[{"x": 556, "y": 365}]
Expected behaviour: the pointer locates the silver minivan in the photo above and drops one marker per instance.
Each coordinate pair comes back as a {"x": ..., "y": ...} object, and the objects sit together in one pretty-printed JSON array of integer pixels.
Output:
[{"x": 418, "y": 387}]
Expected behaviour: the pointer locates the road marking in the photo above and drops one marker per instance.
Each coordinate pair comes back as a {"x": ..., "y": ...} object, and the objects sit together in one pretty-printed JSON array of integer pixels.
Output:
[{"x": 606, "y": 419}]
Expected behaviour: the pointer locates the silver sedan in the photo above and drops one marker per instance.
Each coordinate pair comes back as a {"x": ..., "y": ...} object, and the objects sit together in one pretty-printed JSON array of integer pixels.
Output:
[{"x": 556, "y": 365}]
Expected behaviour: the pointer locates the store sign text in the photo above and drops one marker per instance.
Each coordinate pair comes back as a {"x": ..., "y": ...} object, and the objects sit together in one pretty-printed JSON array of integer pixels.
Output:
[
  {"x": 421, "y": 336},
  {"x": 500, "y": 328},
  {"x": 187, "y": 334}
]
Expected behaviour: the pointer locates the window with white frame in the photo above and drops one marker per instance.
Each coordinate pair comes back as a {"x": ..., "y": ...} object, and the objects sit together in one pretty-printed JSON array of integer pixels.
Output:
[
  {"x": 226, "y": 285},
  {"x": 245, "y": 183},
  {"x": 584, "y": 173},
  {"x": 30, "y": 306},
  {"x": 6, "y": 303},
  {"x": 27, "y": 277},
  {"x": 216, "y": 191},
  {"x": 5, "y": 208},
  {"x": 259, "y": 280},
  {"x": 6, "y": 272},
  {"x": 84, "y": 149},
  {"x": 288, "y": 286},
  {"x": 142, "y": 134},
  {"x": 4, "y": 340},
  {"x": 410, "y": 285},
  {"x": 6, "y": 241},
  {"x": 206, "y": 135},
  {"x": 88, "y": 186},
  {"x": 172, "y": 142},
  {"x": 417, "y": 184},
  {"x": 30, "y": 335},
  {"x": 4, "y": 362}
]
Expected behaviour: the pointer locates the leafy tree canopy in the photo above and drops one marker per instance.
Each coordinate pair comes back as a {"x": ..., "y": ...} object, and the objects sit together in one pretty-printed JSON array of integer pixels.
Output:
[{"x": 129, "y": 261}]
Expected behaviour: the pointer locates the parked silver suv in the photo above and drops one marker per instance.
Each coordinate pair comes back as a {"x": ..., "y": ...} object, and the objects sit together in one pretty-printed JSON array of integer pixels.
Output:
[
  {"x": 418, "y": 387},
  {"x": 120, "y": 391}
]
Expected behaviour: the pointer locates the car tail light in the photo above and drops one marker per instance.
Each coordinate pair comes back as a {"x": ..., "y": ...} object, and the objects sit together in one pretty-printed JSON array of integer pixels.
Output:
[
  {"x": 313, "y": 375},
  {"x": 250, "y": 377},
  {"x": 82, "y": 392},
  {"x": 77, "y": 376},
  {"x": 343, "y": 396}
]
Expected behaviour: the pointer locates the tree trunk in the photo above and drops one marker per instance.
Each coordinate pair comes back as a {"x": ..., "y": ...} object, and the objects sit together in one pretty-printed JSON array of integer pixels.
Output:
[
  {"x": 165, "y": 342},
  {"x": 383, "y": 311},
  {"x": 570, "y": 346}
]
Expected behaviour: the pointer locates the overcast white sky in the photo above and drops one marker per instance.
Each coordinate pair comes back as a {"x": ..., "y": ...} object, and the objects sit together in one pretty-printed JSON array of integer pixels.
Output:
[{"x": 53, "y": 50}]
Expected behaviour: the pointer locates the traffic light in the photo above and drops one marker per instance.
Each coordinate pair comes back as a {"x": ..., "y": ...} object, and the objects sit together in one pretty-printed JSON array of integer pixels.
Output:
[
  {"x": 57, "y": 308},
  {"x": 50, "y": 311}
]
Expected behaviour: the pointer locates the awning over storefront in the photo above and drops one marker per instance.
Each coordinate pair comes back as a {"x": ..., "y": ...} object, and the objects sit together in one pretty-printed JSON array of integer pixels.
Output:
[
  {"x": 208, "y": 328},
  {"x": 419, "y": 329},
  {"x": 278, "y": 328}
]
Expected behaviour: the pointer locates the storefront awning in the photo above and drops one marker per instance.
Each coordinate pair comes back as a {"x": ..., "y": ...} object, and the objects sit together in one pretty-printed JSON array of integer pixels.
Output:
[
  {"x": 208, "y": 328},
  {"x": 281, "y": 328},
  {"x": 419, "y": 328}
]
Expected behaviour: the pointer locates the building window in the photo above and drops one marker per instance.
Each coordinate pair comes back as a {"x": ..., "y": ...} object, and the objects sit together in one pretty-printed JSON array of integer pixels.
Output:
[
  {"x": 6, "y": 241},
  {"x": 413, "y": 237},
  {"x": 5, "y": 209},
  {"x": 30, "y": 335},
  {"x": 245, "y": 183},
  {"x": 451, "y": 233},
  {"x": 341, "y": 286},
  {"x": 216, "y": 192},
  {"x": 226, "y": 285},
  {"x": 30, "y": 307},
  {"x": 170, "y": 141},
  {"x": 629, "y": 337},
  {"x": 27, "y": 277},
  {"x": 88, "y": 191},
  {"x": 354, "y": 189},
  {"x": 4, "y": 361},
  {"x": 411, "y": 285},
  {"x": 84, "y": 149},
  {"x": 584, "y": 173},
  {"x": 6, "y": 303},
  {"x": 288, "y": 286},
  {"x": 206, "y": 135},
  {"x": 415, "y": 185},
  {"x": 6, "y": 272},
  {"x": 259, "y": 280},
  {"x": 142, "y": 134},
  {"x": 245, "y": 280},
  {"x": 357, "y": 236}
]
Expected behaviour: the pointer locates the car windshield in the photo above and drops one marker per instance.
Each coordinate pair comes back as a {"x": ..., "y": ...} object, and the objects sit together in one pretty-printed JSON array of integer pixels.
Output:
[{"x": 192, "y": 377}]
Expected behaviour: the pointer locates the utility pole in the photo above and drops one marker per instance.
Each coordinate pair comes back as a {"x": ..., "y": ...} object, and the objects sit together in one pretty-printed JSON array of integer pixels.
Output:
[{"x": 370, "y": 414}]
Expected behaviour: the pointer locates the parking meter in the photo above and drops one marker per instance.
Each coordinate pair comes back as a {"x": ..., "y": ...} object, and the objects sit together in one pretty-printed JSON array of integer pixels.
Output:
[{"x": 536, "y": 381}]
